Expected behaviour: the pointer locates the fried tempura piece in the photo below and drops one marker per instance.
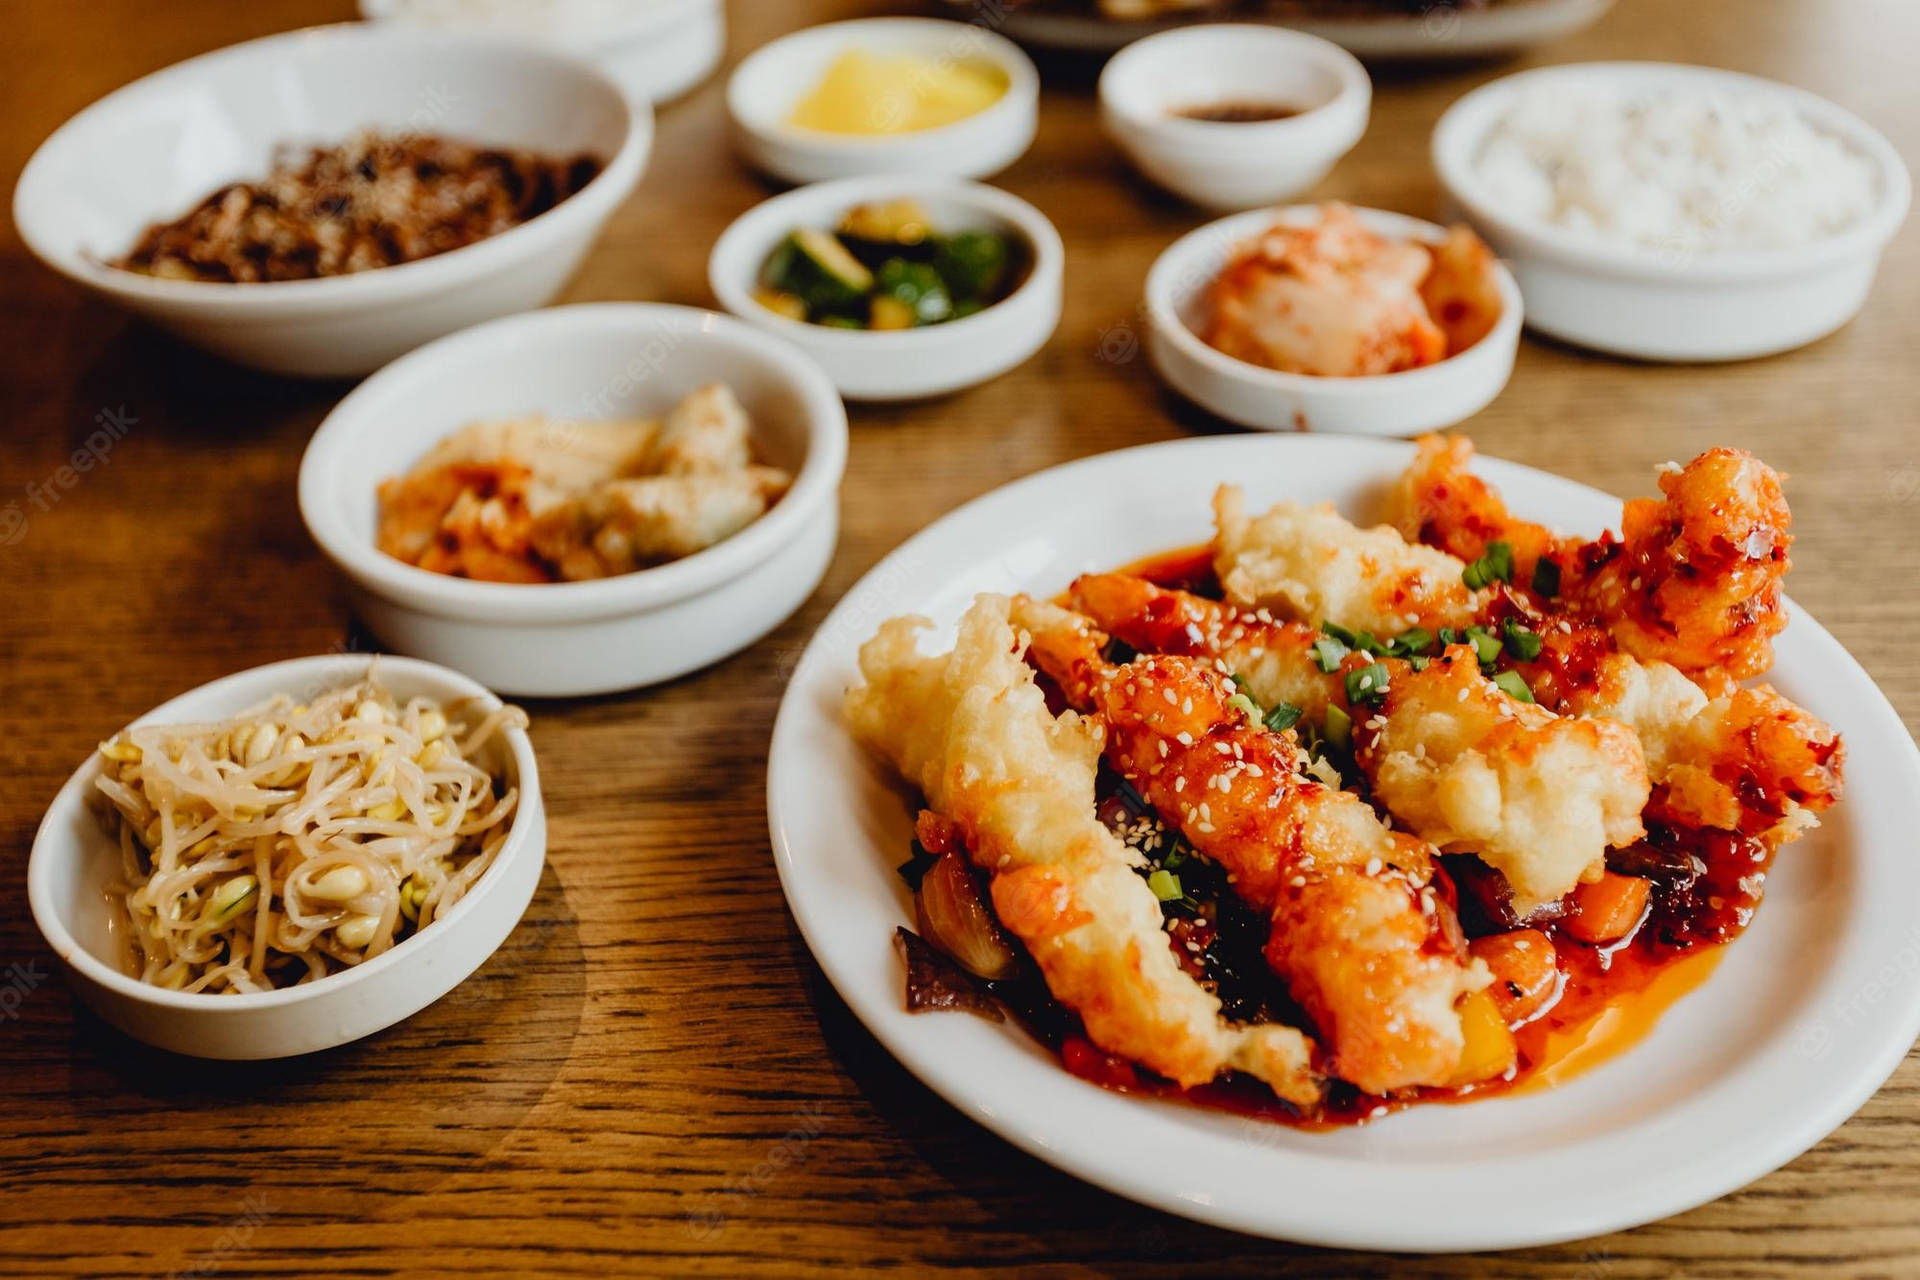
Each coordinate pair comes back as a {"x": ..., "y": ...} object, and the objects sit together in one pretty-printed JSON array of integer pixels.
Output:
[
  {"x": 469, "y": 507},
  {"x": 707, "y": 431},
  {"x": 626, "y": 525},
  {"x": 971, "y": 728},
  {"x": 1749, "y": 760},
  {"x": 1330, "y": 298},
  {"x": 1311, "y": 564},
  {"x": 1538, "y": 796},
  {"x": 1454, "y": 758},
  {"x": 1275, "y": 658},
  {"x": 1358, "y": 933},
  {"x": 1694, "y": 579}
]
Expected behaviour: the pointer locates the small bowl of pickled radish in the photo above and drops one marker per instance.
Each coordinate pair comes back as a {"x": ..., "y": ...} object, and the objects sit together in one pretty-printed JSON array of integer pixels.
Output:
[
  {"x": 885, "y": 95},
  {"x": 292, "y": 857},
  {"x": 899, "y": 288}
]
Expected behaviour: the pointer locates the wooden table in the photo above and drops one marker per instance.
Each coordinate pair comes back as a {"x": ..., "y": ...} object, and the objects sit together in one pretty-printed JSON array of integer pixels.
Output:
[{"x": 652, "y": 1076}]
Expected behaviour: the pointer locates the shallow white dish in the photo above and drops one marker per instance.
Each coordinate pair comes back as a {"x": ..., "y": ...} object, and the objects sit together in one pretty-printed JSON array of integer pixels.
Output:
[
  {"x": 1234, "y": 166},
  {"x": 655, "y": 50},
  {"x": 74, "y": 858},
  {"x": 901, "y": 364},
  {"x": 766, "y": 86},
  {"x": 1658, "y": 305},
  {"x": 1742, "y": 1075},
  {"x": 152, "y": 150},
  {"x": 1442, "y": 31},
  {"x": 1392, "y": 404},
  {"x": 593, "y": 362}
]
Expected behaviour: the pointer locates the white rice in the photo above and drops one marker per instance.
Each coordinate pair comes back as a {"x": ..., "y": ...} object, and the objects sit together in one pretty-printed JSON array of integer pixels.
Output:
[{"x": 1694, "y": 171}]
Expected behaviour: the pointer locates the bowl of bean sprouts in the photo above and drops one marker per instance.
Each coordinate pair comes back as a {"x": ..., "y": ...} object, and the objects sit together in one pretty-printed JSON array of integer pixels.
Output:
[{"x": 292, "y": 857}]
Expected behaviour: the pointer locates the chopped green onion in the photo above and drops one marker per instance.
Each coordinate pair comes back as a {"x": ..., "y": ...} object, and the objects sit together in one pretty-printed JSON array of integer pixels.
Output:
[
  {"x": 1328, "y": 654},
  {"x": 1246, "y": 706},
  {"x": 1546, "y": 578},
  {"x": 1514, "y": 686},
  {"x": 1495, "y": 565},
  {"x": 1283, "y": 717},
  {"x": 1367, "y": 684},
  {"x": 1419, "y": 661},
  {"x": 1340, "y": 633},
  {"x": 1339, "y": 727},
  {"x": 1416, "y": 641},
  {"x": 1165, "y": 885},
  {"x": 1486, "y": 645},
  {"x": 1522, "y": 643},
  {"x": 1175, "y": 854}
]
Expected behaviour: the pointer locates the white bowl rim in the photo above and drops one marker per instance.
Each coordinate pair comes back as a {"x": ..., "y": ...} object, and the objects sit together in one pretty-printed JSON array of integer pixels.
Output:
[
  {"x": 1190, "y": 134},
  {"x": 1167, "y": 322},
  {"x": 1023, "y": 87},
  {"x": 660, "y": 13},
  {"x": 1463, "y": 126},
  {"x": 611, "y": 185},
  {"x": 528, "y": 810},
  {"x": 815, "y": 484},
  {"x": 1049, "y": 255}
]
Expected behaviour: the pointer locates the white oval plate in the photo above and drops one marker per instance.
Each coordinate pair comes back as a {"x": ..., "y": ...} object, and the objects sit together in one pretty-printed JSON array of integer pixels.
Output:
[
  {"x": 1804, "y": 1018},
  {"x": 1440, "y": 32}
]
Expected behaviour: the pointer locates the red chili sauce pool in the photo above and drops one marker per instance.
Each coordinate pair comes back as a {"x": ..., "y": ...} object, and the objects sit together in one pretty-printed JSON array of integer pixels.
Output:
[{"x": 1705, "y": 889}]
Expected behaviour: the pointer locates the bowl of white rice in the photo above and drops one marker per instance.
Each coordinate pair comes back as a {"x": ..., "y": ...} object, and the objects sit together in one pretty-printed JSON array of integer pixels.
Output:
[{"x": 1669, "y": 212}]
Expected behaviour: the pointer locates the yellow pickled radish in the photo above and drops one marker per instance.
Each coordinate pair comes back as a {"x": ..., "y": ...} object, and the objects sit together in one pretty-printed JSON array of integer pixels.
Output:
[{"x": 874, "y": 93}]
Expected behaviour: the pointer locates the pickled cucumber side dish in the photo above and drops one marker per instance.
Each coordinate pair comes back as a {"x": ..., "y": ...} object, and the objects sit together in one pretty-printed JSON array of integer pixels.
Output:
[{"x": 885, "y": 266}]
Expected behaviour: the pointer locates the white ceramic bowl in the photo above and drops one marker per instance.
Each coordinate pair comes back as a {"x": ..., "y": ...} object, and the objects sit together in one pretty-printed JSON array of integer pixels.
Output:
[
  {"x": 1656, "y": 305},
  {"x": 655, "y": 50},
  {"x": 903, "y": 364},
  {"x": 1234, "y": 166},
  {"x": 152, "y": 150},
  {"x": 594, "y": 362},
  {"x": 765, "y": 88},
  {"x": 1392, "y": 404},
  {"x": 74, "y": 859}
]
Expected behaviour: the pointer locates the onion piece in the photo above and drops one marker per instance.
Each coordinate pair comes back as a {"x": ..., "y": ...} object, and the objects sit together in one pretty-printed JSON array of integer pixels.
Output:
[{"x": 952, "y": 916}]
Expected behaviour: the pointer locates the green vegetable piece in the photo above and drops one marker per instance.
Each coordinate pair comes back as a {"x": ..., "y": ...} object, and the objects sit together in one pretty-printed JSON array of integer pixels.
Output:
[
  {"x": 973, "y": 264},
  {"x": 1246, "y": 706},
  {"x": 1546, "y": 578},
  {"x": 918, "y": 286},
  {"x": 1328, "y": 654},
  {"x": 817, "y": 269},
  {"x": 1496, "y": 565},
  {"x": 1522, "y": 642},
  {"x": 1283, "y": 717},
  {"x": 1418, "y": 640},
  {"x": 1165, "y": 885},
  {"x": 841, "y": 322},
  {"x": 1367, "y": 685},
  {"x": 1514, "y": 685},
  {"x": 1486, "y": 645},
  {"x": 1338, "y": 730}
]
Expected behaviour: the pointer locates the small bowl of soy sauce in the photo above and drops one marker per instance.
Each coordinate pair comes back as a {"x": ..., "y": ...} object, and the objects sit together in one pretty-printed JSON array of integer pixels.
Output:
[{"x": 1235, "y": 115}]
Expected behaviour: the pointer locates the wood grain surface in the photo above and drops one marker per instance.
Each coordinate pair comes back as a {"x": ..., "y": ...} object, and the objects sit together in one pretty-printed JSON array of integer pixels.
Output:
[{"x": 652, "y": 1077}]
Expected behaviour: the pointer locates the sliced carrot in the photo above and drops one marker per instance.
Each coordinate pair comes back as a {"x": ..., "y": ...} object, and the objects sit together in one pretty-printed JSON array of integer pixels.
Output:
[
  {"x": 1525, "y": 968},
  {"x": 1608, "y": 909}
]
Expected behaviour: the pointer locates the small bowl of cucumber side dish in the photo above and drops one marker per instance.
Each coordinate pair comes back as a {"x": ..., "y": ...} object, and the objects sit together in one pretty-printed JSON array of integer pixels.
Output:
[{"x": 900, "y": 288}]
